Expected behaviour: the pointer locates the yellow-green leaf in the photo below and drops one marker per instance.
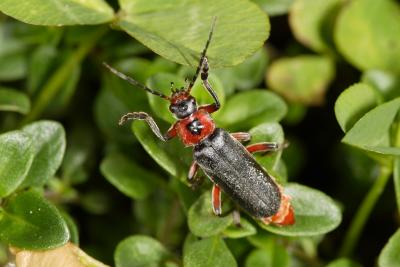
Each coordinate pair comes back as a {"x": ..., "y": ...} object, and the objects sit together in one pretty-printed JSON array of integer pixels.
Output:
[
  {"x": 58, "y": 13},
  {"x": 178, "y": 29},
  {"x": 367, "y": 33}
]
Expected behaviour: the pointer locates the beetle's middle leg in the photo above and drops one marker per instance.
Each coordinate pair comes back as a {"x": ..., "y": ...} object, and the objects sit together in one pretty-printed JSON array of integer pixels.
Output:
[
  {"x": 265, "y": 147},
  {"x": 241, "y": 136},
  {"x": 258, "y": 147}
]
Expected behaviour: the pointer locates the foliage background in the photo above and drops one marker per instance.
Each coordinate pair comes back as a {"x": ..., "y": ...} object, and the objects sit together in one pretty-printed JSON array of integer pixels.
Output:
[{"x": 328, "y": 70}]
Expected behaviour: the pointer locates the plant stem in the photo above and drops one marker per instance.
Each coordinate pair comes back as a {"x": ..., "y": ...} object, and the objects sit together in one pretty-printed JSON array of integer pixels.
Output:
[
  {"x": 357, "y": 225},
  {"x": 55, "y": 82}
]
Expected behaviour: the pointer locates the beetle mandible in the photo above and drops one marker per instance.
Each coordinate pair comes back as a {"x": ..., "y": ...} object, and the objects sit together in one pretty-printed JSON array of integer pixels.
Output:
[{"x": 222, "y": 157}]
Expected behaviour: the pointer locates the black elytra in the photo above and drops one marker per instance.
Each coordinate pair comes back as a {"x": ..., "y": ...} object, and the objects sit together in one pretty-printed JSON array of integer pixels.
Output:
[{"x": 227, "y": 162}]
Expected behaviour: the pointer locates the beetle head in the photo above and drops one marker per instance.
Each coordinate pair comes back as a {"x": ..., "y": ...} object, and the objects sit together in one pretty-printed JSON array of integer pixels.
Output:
[{"x": 182, "y": 103}]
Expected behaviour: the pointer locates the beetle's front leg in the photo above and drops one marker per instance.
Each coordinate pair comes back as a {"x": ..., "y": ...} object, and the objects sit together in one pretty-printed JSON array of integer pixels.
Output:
[
  {"x": 150, "y": 121},
  {"x": 204, "y": 77}
]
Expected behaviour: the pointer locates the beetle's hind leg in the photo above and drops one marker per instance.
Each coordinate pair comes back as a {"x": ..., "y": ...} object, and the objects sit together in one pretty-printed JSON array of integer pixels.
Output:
[{"x": 216, "y": 200}]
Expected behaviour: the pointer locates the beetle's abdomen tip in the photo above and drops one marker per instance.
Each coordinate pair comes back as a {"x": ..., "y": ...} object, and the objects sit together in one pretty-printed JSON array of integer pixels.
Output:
[
  {"x": 284, "y": 216},
  {"x": 289, "y": 219}
]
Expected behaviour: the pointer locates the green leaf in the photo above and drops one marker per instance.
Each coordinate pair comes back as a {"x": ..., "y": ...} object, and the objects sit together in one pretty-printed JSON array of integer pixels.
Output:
[
  {"x": 178, "y": 30},
  {"x": 13, "y": 62},
  {"x": 296, "y": 113},
  {"x": 72, "y": 227},
  {"x": 390, "y": 254},
  {"x": 269, "y": 132},
  {"x": 96, "y": 201},
  {"x": 315, "y": 213},
  {"x": 59, "y": 13},
  {"x": 49, "y": 144},
  {"x": 13, "y": 100},
  {"x": 131, "y": 179},
  {"x": 372, "y": 131},
  {"x": 343, "y": 262},
  {"x": 312, "y": 22},
  {"x": 301, "y": 79},
  {"x": 12, "y": 67},
  {"x": 262, "y": 239},
  {"x": 367, "y": 33},
  {"x": 79, "y": 155},
  {"x": 203, "y": 222},
  {"x": 250, "y": 108},
  {"x": 353, "y": 103},
  {"x": 245, "y": 229},
  {"x": 136, "y": 99},
  {"x": 275, "y": 7},
  {"x": 17, "y": 151},
  {"x": 388, "y": 84},
  {"x": 276, "y": 255},
  {"x": 185, "y": 194},
  {"x": 108, "y": 109},
  {"x": 171, "y": 155},
  {"x": 238, "y": 247},
  {"x": 29, "y": 221},
  {"x": 61, "y": 101},
  {"x": 139, "y": 251},
  {"x": 246, "y": 75},
  {"x": 170, "y": 218},
  {"x": 58, "y": 79},
  {"x": 40, "y": 63},
  {"x": 294, "y": 156},
  {"x": 208, "y": 252}
]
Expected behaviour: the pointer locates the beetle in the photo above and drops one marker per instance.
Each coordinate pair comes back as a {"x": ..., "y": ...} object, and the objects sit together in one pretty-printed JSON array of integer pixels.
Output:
[{"x": 221, "y": 155}]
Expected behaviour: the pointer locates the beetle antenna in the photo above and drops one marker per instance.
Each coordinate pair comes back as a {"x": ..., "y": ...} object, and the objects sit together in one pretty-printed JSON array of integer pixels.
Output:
[
  {"x": 134, "y": 82},
  {"x": 203, "y": 55}
]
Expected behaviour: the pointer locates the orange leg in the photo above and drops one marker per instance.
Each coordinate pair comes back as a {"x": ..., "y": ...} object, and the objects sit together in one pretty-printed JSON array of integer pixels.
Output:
[
  {"x": 241, "y": 136},
  {"x": 216, "y": 200},
  {"x": 194, "y": 181},
  {"x": 263, "y": 147},
  {"x": 192, "y": 171}
]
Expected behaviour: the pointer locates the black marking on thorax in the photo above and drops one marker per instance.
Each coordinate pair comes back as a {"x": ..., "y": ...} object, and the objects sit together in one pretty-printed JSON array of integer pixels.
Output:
[{"x": 195, "y": 127}]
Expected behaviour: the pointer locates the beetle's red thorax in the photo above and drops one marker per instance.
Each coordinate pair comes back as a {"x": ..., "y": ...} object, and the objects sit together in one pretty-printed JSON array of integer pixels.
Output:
[{"x": 195, "y": 128}]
